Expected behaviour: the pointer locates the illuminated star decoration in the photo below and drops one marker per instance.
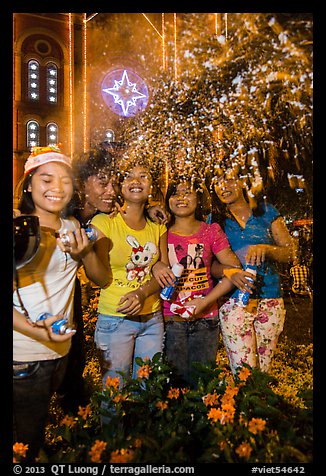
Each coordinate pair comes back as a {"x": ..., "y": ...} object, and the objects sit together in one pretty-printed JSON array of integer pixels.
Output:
[{"x": 125, "y": 93}]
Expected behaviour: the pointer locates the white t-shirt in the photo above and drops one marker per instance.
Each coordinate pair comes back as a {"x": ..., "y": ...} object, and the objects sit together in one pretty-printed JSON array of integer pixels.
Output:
[{"x": 46, "y": 284}]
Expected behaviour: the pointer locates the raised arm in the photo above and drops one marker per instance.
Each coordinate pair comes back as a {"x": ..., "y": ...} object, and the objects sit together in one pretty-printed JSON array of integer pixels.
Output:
[{"x": 96, "y": 261}]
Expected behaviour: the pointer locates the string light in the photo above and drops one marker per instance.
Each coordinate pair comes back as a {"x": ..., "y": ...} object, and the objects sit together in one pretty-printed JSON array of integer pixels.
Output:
[
  {"x": 162, "y": 36},
  {"x": 70, "y": 84},
  {"x": 85, "y": 141},
  {"x": 226, "y": 25},
  {"x": 217, "y": 24},
  {"x": 90, "y": 17},
  {"x": 159, "y": 34},
  {"x": 163, "y": 42},
  {"x": 175, "y": 45}
]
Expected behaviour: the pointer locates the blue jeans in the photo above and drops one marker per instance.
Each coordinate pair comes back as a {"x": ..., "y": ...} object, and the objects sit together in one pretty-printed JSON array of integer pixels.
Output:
[
  {"x": 120, "y": 339},
  {"x": 33, "y": 386},
  {"x": 188, "y": 342}
]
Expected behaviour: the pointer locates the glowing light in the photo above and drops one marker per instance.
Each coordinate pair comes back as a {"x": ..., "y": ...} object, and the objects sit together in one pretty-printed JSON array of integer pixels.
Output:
[
  {"x": 152, "y": 25},
  {"x": 90, "y": 17},
  {"x": 226, "y": 26},
  {"x": 163, "y": 42},
  {"x": 125, "y": 97},
  {"x": 175, "y": 45},
  {"x": 85, "y": 141},
  {"x": 71, "y": 125}
]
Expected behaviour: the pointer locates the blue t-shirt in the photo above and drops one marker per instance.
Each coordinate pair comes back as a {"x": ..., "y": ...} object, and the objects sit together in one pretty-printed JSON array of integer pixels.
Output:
[{"x": 256, "y": 231}]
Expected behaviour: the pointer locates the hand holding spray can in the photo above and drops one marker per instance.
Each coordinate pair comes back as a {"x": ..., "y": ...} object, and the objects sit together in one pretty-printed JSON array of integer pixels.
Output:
[
  {"x": 91, "y": 233},
  {"x": 58, "y": 327},
  {"x": 242, "y": 297},
  {"x": 167, "y": 292}
]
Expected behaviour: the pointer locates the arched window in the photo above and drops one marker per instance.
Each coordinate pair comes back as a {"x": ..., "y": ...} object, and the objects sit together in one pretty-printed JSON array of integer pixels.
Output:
[
  {"x": 109, "y": 135},
  {"x": 33, "y": 71},
  {"x": 52, "y": 133},
  {"x": 33, "y": 134},
  {"x": 52, "y": 83}
]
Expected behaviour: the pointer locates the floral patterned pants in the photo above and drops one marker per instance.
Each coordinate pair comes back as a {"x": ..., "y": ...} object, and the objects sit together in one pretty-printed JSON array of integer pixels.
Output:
[{"x": 250, "y": 333}]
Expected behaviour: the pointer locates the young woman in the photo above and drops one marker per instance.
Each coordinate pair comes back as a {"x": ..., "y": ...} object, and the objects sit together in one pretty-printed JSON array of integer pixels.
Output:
[
  {"x": 95, "y": 173},
  {"x": 130, "y": 321},
  {"x": 260, "y": 238},
  {"x": 193, "y": 336},
  {"x": 44, "y": 285}
]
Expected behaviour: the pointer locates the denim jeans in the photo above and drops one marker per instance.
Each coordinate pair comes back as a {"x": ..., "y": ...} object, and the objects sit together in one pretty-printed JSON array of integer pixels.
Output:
[
  {"x": 188, "y": 342},
  {"x": 120, "y": 339},
  {"x": 34, "y": 383}
]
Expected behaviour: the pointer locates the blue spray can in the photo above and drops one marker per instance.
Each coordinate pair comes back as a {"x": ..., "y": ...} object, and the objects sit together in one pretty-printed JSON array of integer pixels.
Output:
[
  {"x": 167, "y": 292},
  {"x": 241, "y": 297},
  {"x": 91, "y": 233},
  {"x": 58, "y": 327}
]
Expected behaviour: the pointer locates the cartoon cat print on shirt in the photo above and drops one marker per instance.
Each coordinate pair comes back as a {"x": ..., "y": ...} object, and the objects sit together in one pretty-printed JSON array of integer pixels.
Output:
[{"x": 140, "y": 259}]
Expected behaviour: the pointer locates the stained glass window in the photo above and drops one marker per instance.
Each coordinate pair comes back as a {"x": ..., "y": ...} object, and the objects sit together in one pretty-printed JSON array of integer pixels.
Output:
[
  {"x": 51, "y": 133},
  {"x": 52, "y": 83},
  {"x": 33, "y": 134},
  {"x": 33, "y": 68}
]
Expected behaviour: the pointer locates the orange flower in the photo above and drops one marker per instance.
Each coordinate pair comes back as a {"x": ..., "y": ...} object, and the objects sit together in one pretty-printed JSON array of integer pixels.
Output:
[
  {"x": 68, "y": 421},
  {"x": 20, "y": 449},
  {"x": 161, "y": 405},
  {"x": 230, "y": 391},
  {"x": 244, "y": 374},
  {"x": 119, "y": 398},
  {"x": 222, "y": 445},
  {"x": 174, "y": 393},
  {"x": 227, "y": 417},
  {"x": 84, "y": 411},
  {"x": 215, "y": 414},
  {"x": 144, "y": 371},
  {"x": 256, "y": 424},
  {"x": 97, "y": 450},
  {"x": 112, "y": 382},
  {"x": 228, "y": 406},
  {"x": 210, "y": 399},
  {"x": 244, "y": 450},
  {"x": 137, "y": 443},
  {"x": 122, "y": 456}
]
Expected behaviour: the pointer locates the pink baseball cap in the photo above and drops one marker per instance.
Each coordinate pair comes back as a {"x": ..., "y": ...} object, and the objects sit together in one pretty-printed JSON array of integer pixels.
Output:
[{"x": 44, "y": 155}]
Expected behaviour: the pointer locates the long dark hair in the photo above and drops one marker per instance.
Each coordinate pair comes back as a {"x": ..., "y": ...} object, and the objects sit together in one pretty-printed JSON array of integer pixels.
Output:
[
  {"x": 203, "y": 199},
  {"x": 220, "y": 211}
]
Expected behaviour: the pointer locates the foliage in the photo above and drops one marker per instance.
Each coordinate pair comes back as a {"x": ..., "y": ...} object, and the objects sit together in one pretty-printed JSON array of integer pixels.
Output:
[
  {"x": 241, "y": 99},
  {"x": 153, "y": 420},
  {"x": 253, "y": 417}
]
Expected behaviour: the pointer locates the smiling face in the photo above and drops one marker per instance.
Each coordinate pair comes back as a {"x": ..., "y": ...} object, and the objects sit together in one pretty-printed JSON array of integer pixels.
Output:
[
  {"x": 101, "y": 192},
  {"x": 136, "y": 185},
  {"x": 228, "y": 188},
  {"x": 51, "y": 188},
  {"x": 183, "y": 202}
]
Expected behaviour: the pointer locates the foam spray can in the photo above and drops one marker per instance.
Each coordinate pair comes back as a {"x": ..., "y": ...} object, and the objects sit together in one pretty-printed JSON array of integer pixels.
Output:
[
  {"x": 167, "y": 292},
  {"x": 58, "y": 327},
  {"x": 241, "y": 297},
  {"x": 91, "y": 233}
]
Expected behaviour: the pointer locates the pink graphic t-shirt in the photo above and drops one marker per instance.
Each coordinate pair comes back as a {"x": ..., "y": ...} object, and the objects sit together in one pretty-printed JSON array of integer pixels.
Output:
[{"x": 195, "y": 252}]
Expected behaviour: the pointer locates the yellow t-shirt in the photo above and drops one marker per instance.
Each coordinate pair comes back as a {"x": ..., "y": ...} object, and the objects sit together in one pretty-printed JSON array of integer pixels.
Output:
[{"x": 132, "y": 253}]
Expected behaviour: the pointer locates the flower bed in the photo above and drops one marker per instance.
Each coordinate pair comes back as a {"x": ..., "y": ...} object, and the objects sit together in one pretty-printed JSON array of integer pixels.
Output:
[{"x": 254, "y": 417}]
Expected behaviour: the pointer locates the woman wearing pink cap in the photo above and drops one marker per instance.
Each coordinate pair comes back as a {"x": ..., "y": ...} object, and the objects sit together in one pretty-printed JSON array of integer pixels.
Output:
[{"x": 44, "y": 285}]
